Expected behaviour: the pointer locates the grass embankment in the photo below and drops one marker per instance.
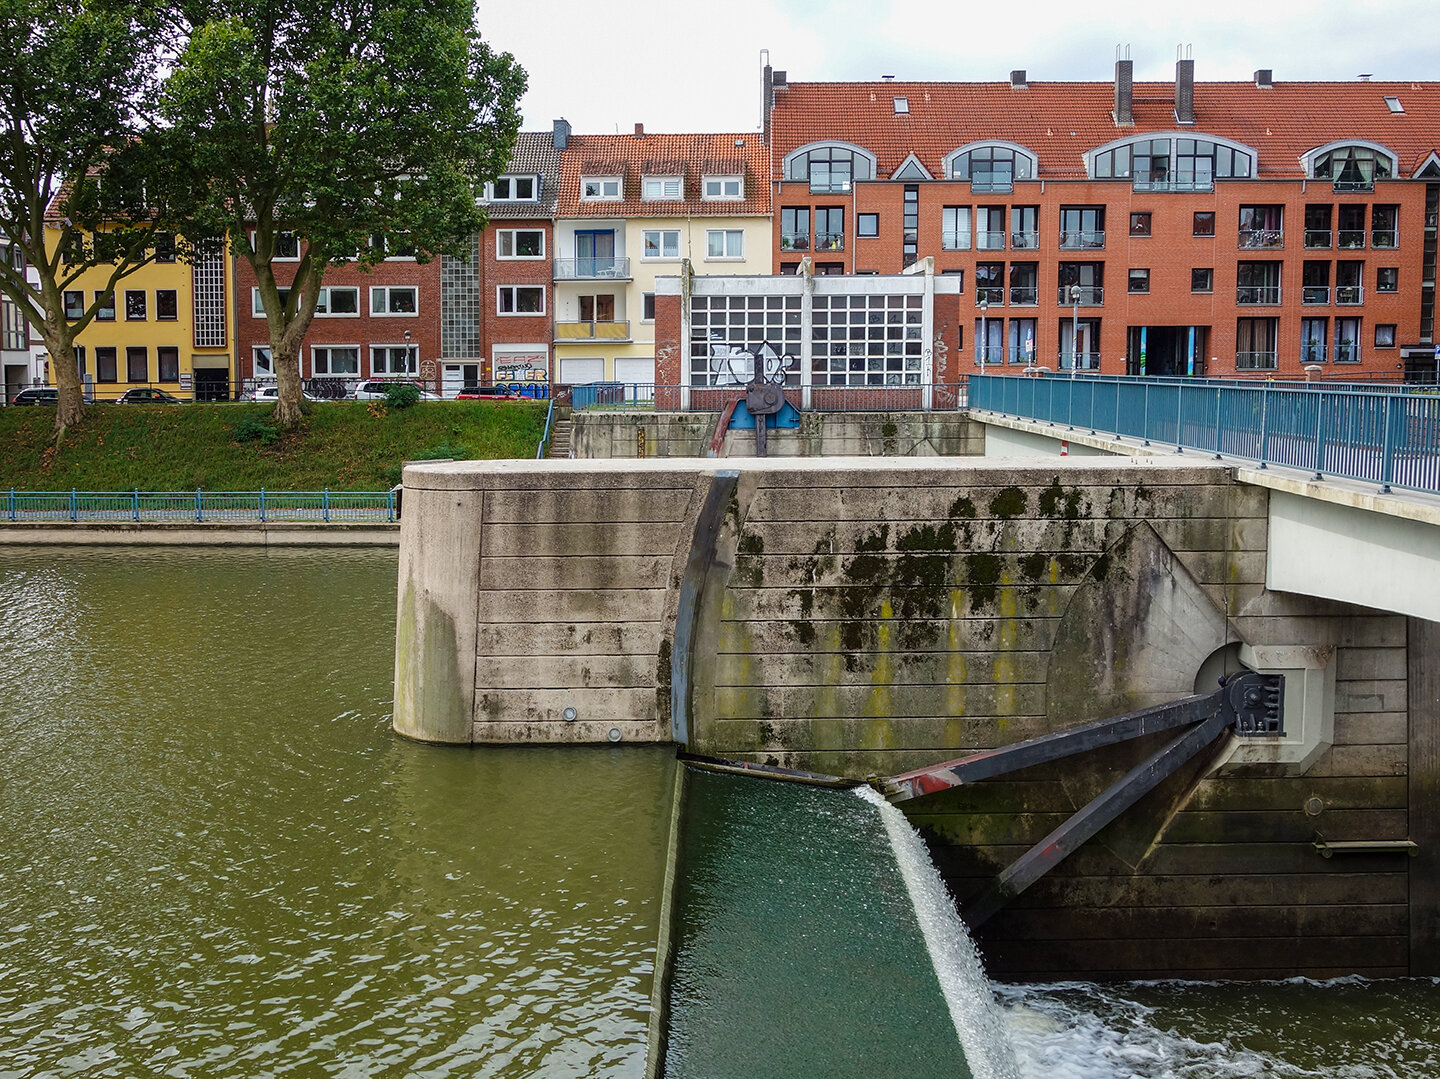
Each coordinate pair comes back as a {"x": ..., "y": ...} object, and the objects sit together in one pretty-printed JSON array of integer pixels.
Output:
[{"x": 345, "y": 446}]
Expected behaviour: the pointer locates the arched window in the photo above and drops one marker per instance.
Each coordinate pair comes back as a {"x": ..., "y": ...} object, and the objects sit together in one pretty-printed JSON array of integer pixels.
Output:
[
  {"x": 1352, "y": 166},
  {"x": 991, "y": 166},
  {"x": 1172, "y": 162},
  {"x": 830, "y": 166}
]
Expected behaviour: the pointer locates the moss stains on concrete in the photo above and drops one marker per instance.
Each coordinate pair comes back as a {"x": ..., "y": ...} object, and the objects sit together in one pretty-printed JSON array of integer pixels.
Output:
[{"x": 1010, "y": 502}]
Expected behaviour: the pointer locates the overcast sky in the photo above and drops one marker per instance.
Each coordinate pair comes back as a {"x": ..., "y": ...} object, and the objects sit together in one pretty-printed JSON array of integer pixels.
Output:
[{"x": 686, "y": 65}]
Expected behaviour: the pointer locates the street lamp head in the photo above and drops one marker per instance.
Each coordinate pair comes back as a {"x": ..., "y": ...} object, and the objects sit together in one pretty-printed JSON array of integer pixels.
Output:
[
  {"x": 1074, "y": 293},
  {"x": 984, "y": 304},
  {"x": 407, "y": 337}
]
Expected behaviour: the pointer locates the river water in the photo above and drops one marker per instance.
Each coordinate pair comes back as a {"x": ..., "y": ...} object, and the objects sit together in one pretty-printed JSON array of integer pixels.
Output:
[{"x": 218, "y": 861}]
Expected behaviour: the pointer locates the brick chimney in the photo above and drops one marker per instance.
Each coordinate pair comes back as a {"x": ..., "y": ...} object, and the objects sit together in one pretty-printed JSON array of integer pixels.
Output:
[
  {"x": 1124, "y": 91},
  {"x": 639, "y": 131},
  {"x": 1184, "y": 91},
  {"x": 561, "y": 137}
]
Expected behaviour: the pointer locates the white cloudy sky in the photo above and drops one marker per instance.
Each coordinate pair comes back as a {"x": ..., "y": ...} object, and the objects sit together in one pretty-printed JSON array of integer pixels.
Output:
[{"x": 689, "y": 65}]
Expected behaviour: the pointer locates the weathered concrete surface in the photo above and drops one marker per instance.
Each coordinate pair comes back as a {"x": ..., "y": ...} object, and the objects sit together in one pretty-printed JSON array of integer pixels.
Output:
[
  {"x": 874, "y": 615},
  {"x": 602, "y": 434},
  {"x": 190, "y": 534}
]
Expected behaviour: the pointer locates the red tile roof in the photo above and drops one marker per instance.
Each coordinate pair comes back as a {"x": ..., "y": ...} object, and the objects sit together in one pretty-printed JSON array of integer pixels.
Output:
[
  {"x": 1061, "y": 121},
  {"x": 635, "y": 156}
]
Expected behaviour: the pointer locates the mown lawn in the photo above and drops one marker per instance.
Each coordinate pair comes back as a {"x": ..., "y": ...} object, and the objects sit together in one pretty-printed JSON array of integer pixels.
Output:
[{"x": 345, "y": 446}]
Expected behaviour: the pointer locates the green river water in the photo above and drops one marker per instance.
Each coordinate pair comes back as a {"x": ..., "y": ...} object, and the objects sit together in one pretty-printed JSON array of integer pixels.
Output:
[{"x": 219, "y": 861}]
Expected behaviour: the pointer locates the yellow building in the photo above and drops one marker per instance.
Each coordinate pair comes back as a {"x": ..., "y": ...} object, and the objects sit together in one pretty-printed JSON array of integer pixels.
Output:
[
  {"x": 169, "y": 325},
  {"x": 631, "y": 207}
]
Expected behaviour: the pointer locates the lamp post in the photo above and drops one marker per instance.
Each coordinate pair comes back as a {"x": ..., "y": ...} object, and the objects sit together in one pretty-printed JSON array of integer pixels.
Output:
[
  {"x": 411, "y": 368},
  {"x": 984, "y": 335},
  {"x": 1074, "y": 328}
]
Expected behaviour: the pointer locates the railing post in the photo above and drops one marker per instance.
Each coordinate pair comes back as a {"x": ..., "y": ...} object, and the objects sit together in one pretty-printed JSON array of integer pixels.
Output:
[
  {"x": 135, "y": 504},
  {"x": 262, "y": 505},
  {"x": 1145, "y": 412},
  {"x": 12, "y": 503},
  {"x": 1218, "y": 392},
  {"x": 199, "y": 505},
  {"x": 390, "y": 505},
  {"x": 1117, "y": 409},
  {"x": 1320, "y": 436},
  {"x": 1387, "y": 450},
  {"x": 325, "y": 504},
  {"x": 74, "y": 506},
  {"x": 1179, "y": 417},
  {"x": 1264, "y": 423}
]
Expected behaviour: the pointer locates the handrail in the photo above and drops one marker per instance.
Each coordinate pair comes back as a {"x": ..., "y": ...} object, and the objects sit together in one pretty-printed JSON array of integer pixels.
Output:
[
  {"x": 200, "y": 506},
  {"x": 544, "y": 446},
  {"x": 1391, "y": 439}
]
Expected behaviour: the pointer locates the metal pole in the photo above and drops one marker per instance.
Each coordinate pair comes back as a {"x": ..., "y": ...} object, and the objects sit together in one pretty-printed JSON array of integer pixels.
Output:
[
  {"x": 326, "y": 504},
  {"x": 1387, "y": 452},
  {"x": 199, "y": 506},
  {"x": 1264, "y": 423},
  {"x": 1074, "y": 329},
  {"x": 262, "y": 505},
  {"x": 984, "y": 334}
]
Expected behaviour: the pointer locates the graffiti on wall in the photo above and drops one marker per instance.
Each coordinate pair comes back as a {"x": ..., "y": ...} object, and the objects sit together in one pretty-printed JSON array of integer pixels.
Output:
[{"x": 738, "y": 365}]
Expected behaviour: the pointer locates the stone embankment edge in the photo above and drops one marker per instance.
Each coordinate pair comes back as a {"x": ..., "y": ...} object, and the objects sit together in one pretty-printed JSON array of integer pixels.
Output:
[{"x": 192, "y": 534}]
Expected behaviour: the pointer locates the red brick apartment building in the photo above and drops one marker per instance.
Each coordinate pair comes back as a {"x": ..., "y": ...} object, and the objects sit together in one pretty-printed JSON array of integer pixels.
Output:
[
  {"x": 1249, "y": 229},
  {"x": 384, "y": 323},
  {"x": 498, "y": 305}
]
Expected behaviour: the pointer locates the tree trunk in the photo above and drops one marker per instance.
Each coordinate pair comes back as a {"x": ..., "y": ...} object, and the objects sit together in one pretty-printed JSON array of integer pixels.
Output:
[
  {"x": 71, "y": 407},
  {"x": 288, "y": 385}
]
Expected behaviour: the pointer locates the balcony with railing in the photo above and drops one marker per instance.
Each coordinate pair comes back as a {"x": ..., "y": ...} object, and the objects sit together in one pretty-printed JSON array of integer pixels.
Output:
[
  {"x": 1349, "y": 295},
  {"x": 955, "y": 241},
  {"x": 1347, "y": 352},
  {"x": 1079, "y": 361},
  {"x": 992, "y": 185},
  {"x": 1153, "y": 186},
  {"x": 1318, "y": 238},
  {"x": 990, "y": 240},
  {"x": 990, "y": 354},
  {"x": 1312, "y": 353},
  {"x": 1255, "y": 361},
  {"x": 1266, "y": 239},
  {"x": 1257, "y": 295},
  {"x": 1024, "y": 295},
  {"x": 1090, "y": 296},
  {"x": 1315, "y": 294},
  {"x": 829, "y": 241},
  {"x": 1348, "y": 187},
  {"x": 593, "y": 268},
  {"x": 592, "y": 331},
  {"x": 1351, "y": 239},
  {"x": 1384, "y": 239},
  {"x": 1082, "y": 241},
  {"x": 1024, "y": 241},
  {"x": 795, "y": 241},
  {"x": 990, "y": 294}
]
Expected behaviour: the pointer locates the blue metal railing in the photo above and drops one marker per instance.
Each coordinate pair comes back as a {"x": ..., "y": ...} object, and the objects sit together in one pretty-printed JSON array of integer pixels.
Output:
[
  {"x": 545, "y": 435},
  {"x": 1390, "y": 439},
  {"x": 331, "y": 507}
]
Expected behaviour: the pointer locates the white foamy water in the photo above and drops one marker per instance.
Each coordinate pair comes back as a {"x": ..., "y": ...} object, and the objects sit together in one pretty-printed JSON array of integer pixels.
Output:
[{"x": 973, "y": 1010}]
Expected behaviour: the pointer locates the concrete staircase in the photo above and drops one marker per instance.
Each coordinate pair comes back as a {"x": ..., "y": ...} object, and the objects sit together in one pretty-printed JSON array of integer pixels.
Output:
[{"x": 560, "y": 430}]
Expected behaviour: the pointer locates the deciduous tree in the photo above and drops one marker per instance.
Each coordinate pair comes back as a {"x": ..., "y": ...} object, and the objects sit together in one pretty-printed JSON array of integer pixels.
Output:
[{"x": 360, "y": 127}]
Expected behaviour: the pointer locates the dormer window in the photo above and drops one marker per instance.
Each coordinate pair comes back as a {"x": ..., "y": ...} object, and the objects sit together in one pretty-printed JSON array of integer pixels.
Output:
[
  {"x": 600, "y": 187},
  {"x": 661, "y": 188},
  {"x": 1352, "y": 166},
  {"x": 723, "y": 187},
  {"x": 830, "y": 168},
  {"x": 1175, "y": 162},
  {"x": 513, "y": 189},
  {"x": 991, "y": 166}
]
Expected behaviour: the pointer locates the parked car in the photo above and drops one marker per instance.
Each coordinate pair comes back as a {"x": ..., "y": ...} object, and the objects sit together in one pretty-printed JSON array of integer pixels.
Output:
[
  {"x": 147, "y": 395},
  {"x": 475, "y": 392},
  {"x": 37, "y": 395},
  {"x": 374, "y": 390},
  {"x": 272, "y": 394}
]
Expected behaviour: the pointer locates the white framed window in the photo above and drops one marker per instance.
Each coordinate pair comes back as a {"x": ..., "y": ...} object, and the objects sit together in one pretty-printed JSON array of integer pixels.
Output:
[
  {"x": 397, "y": 249},
  {"x": 257, "y": 305},
  {"x": 520, "y": 299},
  {"x": 662, "y": 244},
  {"x": 520, "y": 244},
  {"x": 335, "y": 361},
  {"x": 264, "y": 364},
  {"x": 513, "y": 189},
  {"x": 600, "y": 187},
  {"x": 724, "y": 243},
  {"x": 287, "y": 246},
  {"x": 338, "y": 301},
  {"x": 723, "y": 187},
  {"x": 655, "y": 188},
  {"x": 399, "y": 300},
  {"x": 394, "y": 359}
]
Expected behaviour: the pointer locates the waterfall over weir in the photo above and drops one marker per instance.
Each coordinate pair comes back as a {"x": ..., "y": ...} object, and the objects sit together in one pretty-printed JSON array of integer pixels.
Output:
[{"x": 809, "y": 935}]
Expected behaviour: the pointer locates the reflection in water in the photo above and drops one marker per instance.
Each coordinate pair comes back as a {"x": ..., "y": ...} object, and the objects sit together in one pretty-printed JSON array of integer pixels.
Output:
[{"x": 220, "y": 862}]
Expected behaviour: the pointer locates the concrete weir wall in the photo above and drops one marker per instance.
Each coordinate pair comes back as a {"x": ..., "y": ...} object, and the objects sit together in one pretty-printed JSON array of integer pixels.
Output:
[{"x": 859, "y": 616}]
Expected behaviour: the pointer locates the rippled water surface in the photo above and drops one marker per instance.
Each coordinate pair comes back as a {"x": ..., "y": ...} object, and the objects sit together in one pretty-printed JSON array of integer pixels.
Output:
[{"x": 218, "y": 861}]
